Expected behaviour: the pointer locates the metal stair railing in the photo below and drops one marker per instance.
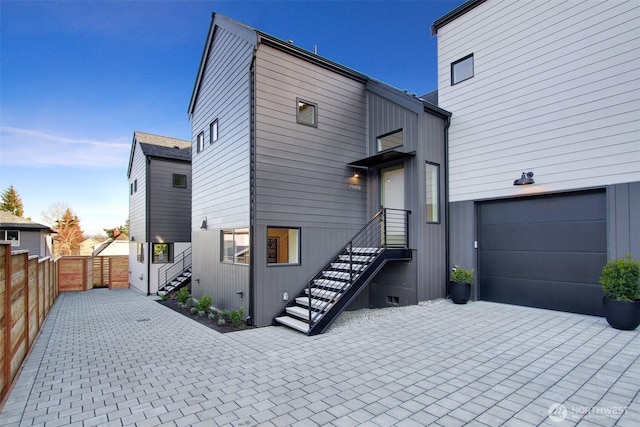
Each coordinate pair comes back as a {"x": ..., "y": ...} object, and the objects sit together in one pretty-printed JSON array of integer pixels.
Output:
[
  {"x": 389, "y": 228},
  {"x": 170, "y": 271}
]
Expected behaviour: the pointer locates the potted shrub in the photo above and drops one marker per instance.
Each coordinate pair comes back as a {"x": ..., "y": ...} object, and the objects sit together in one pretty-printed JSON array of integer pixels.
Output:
[
  {"x": 460, "y": 285},
  {"x": 620, "y": 281}
]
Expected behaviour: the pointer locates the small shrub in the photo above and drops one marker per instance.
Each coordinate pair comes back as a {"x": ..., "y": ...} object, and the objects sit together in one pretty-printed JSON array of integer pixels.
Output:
[
  {"x": 236, "y": 316},
  {"x": 183, "y": 295},
  {"x": 204, "y": 303},
  {"x": 212, "y": 315},
  {"x": 222, "y": 321},
  {"x": 164, "y": 296},
  {"x": 191, "y": 302},
  {"x": 194, "y": 310},
  {"x": 460, "y": 275},
  {"x": 201, "y": 313},
  {"x": 620, "y": 279}
]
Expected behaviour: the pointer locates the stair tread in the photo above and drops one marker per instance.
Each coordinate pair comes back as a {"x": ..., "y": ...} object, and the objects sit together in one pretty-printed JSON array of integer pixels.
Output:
[
  {"x": 322, "y": 293},
  {"x": 302, "y": 313},
  {"x": 293, "y": 323},
  {"x": 315, "y": 303},
  {"x": 348, "y": 266},
  {"x": 356, "y": 258},
  {"x": 328, "y": 283}
]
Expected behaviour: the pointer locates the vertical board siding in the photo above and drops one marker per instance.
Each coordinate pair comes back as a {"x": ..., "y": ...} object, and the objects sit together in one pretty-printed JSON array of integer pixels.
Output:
[
  {"x": 220, "y": 173},
  {"x": 623, "y": 201},
  {"x": 169, "y": 206},
  {"x": 462, "y": 234},
  {"x": 555, "y": 91}
]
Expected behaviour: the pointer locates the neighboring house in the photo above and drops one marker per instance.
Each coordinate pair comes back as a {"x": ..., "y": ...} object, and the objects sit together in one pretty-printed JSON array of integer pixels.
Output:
[
  {"x": 118, "y": 245},
  {"x": 292, "y": 155},
  {"x": 25, "y": 234},
  {"x": 551, "y": 88},
  {"x": 87, "y": 246},
  {"x": 159, "y": 176}
]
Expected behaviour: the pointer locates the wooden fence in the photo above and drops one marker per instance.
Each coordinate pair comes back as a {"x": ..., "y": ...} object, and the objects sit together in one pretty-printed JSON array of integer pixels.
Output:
[{"x": 28, "y": 288}]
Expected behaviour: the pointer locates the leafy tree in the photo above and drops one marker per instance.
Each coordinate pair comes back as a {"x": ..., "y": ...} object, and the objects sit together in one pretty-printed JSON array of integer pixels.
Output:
[
  {"x": 54, "y": 213},
  {"x": 11, "y": 202},
  {"x": 69, "y": 234}
]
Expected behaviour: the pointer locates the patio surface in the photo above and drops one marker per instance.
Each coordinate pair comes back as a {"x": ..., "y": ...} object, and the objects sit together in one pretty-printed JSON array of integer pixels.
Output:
[{"x": 112, "y": 358}]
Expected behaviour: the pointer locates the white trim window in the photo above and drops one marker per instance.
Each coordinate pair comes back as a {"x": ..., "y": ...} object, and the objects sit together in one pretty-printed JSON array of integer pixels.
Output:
[{"x": 12, "y": 236}]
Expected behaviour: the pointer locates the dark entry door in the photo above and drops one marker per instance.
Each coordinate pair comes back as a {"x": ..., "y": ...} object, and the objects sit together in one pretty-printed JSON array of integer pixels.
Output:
[{"x": 545, "y": 251}]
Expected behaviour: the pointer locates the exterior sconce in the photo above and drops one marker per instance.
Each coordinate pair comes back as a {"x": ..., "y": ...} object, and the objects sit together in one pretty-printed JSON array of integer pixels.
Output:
[
  {"x": 203, "y": 226},
  {"x": 525, "y": 179},
  {"x": 133, "y": 238},
  {"x": 356, "y": 174}
]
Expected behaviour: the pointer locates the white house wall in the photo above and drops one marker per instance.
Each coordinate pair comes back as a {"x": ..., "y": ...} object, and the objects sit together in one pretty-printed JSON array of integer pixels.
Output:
[{"x": 555, "y": 91}]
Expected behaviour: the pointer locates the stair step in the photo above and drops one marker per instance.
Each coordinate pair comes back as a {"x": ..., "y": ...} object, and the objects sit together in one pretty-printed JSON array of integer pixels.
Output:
[
  {"x": 348, "y": 266},
  {"x": 357, "y": 258},
  {"x": 302, "y": 313},
  {"x": 357, "y": 250},
  {"x": 338, "y": 275},
  {"x": 315, "y": 303},
  {"x": 333, "y": 284},
  {"x": 293, "y": 323},
  {"x": 324, "y": 294}
]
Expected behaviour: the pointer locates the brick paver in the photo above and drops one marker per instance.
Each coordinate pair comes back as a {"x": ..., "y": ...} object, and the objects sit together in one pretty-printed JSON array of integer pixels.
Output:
[{"x": 119, "y": 358}]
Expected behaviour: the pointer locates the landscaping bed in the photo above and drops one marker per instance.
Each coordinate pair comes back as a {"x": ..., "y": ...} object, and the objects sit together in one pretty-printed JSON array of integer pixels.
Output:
[{"x": 172, "y": 303}]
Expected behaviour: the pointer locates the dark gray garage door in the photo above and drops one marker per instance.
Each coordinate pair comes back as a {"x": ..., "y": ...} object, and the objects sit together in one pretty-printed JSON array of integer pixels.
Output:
[{"x": 544, "y": 252}]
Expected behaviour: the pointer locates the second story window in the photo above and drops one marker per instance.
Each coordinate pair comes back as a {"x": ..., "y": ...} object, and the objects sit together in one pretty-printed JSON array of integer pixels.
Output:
[
  {"x": 391, "y": 140},
  {"x": 213, "y": 131},
  {"x": 306, "y": 113},
  {"x": 462, "y": 69},
  {"x": 200, "y": 142}
]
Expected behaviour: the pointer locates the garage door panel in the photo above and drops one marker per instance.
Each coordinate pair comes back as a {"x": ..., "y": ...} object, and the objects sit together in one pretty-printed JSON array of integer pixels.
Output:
[
  {"x": 569, "y": 267},
  {"x": 585, "y": 298},
  {"x": 558, "y": 237},
  {"x": 544, "y": 251}
]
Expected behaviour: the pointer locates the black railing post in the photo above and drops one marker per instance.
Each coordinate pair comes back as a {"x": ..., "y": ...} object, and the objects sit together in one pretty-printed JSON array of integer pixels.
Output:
[
  {"x": 384, "y": 228},
  {"x": 309, "y": 291},
  {"x": 351, "y": 262}
]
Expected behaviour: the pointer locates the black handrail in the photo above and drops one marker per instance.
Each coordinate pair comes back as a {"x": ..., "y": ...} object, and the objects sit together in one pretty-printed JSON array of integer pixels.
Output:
[
  {"x": 389, "y": 228},
  {"x": 181, "y": 263}
]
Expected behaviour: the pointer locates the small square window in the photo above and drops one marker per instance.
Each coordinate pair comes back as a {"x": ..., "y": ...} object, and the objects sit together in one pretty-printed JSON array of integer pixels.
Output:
[
  {"x": 200, "y": 142},
  {"x": 462, "y": 69},
  {"x": 213, "y": 131},
  {"x": 391, "y": 140},
  {"x": 235, "y": 246},
  {"x": 162, "y": 253},
  {"x": 307, "y": 113},
  {"x": 179, "y": 181},
  {"x": 283, "y": 246}
]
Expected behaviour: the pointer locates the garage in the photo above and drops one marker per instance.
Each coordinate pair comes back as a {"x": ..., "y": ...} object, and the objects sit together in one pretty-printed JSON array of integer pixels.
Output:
[{"x": 544, "y": 251}]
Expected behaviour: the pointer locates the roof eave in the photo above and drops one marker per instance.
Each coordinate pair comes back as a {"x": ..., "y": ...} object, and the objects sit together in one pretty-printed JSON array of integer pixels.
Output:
[{"x": 454, "y": 14}]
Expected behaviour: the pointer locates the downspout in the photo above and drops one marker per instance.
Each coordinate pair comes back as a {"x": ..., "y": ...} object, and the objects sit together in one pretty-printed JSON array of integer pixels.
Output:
[
  {"x": 252, "y": 171},
  {"x": 446, "y": 203}
]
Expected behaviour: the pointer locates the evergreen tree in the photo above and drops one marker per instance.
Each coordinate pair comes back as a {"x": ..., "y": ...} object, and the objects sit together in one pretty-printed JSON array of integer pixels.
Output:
[
  {"x": 69, "y": 234},
  {"x": 11, "y": 202}
]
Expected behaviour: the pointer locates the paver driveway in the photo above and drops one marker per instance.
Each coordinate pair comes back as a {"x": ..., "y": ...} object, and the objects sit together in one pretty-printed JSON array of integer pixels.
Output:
[{"x": 118, "y": 358}]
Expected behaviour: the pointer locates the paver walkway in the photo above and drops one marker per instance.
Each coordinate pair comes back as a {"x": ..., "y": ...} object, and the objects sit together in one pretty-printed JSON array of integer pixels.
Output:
[{"x": 112, "y": 358}]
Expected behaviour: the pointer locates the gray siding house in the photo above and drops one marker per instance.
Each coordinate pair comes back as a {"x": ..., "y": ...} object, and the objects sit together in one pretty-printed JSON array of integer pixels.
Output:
[
  {"x": 25, "y": 234},
  {"x": 293, "y": 155},
  {"x": 159, "y": 176},
  {"x": 550, "y": 88}
]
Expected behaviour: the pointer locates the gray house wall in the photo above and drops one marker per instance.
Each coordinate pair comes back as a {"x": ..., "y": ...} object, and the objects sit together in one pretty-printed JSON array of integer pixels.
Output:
[
  {"x": 33, "y": 240},
  {"x": 169, "y": 206},
  {"x": 137, "y": 200},
  {"x": 220, "y": 173},
  {"x": 302, "y": 177},
  {"x": 623, "y": 220}
]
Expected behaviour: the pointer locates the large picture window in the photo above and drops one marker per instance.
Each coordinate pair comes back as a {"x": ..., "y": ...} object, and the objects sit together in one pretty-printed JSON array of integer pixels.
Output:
[
  {"x": 283, "y": 246},
  {"x": 12, "y": 236},
  {"x": 235, "y": 246},
  {"x": 433, "y": 192},
  {"x": 391, "y": 140},
  {"x": 162, "y": 253}
]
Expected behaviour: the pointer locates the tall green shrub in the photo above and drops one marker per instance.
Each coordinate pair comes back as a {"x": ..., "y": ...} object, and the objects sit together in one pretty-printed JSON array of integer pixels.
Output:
[
  {"x": 182, "y": 295},
  {"x": 620, "y": 279}
]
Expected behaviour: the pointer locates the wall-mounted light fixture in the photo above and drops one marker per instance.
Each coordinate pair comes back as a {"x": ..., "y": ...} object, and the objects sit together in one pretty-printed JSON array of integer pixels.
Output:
[
  {"x": 203, "y": 226},
  {"x": 133, "y": 238},
  {"x": 525, "y": 179},
  {"x": 356, "y": 174}
]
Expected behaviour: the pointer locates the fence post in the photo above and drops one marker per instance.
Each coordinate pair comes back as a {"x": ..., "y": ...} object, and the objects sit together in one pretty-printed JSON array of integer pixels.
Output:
[{"x": 6, "y": 369}]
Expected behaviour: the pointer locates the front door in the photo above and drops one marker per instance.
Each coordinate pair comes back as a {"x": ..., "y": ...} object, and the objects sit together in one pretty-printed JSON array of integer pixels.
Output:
[{"x": 392, "y": 197}]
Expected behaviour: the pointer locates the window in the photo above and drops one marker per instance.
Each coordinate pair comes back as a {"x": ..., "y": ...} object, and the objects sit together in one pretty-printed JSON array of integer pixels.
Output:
[
  {"x": 283, "y": 245},
  {"x": 433, "y": 192},
  {"x": 213, "y": 131},
  {"x": 162, "y": 253},
  {"x": 200, "y": 142},
  {"x": 307, "y": 113},
  {"x": 235, "y": 246},
  {"x": 462, "y": 69},
  {"x": 135, "y": 185},
  {"x": 140, "y": 252},
  {"x": 131, "y": 188},
  {"x": 179, "y": 181},
  {"x": 390, "y": 140},
  {"x": 12, "y": 236}
]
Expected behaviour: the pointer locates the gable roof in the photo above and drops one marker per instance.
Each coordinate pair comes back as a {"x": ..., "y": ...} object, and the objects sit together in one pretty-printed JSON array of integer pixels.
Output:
[
  {"x": 162, "y": 147},
  {"x": 8, "y": 220},
  {"x": 257, "y": 37}
]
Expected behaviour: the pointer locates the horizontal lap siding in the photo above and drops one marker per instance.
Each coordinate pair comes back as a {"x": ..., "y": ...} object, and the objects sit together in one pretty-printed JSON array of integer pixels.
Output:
[
  {"x": 170, "y": 207},
  {"x": 137, "y": 200},
  {"x": 555, "y": 91}
]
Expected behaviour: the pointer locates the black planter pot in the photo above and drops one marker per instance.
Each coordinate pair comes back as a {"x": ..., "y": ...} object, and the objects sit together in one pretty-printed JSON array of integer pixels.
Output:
[
  {"x": 459, "y": 292},
  {"x": 624, "y": 315}
]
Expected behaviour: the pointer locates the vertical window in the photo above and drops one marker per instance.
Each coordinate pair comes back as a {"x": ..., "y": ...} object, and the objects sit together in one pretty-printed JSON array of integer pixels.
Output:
[
  {"x": 135, "y": 185},
  {"x": 12, "y": 236},
  {"x": 162, "y": 253},
  {"x": 179, "y": 181},
  {"x": 131, "y": 188},
  {"x": 283, "y": 245},
  {"x": 433, "y": 192},
  {"x": 200, "y": 142},
  {"x": 307, "y": 113},
  {"x": 391, "y": 140},
  {"x": 462, "y": 69},
  {"x": 140, "y": 252},
  {"x": 213, "y": 131},
  {"x": 235, "y": 246}
]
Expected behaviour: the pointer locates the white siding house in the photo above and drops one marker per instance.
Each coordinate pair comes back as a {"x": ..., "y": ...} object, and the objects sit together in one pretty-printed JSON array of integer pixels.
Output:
[{"x": 553, "y": 88}]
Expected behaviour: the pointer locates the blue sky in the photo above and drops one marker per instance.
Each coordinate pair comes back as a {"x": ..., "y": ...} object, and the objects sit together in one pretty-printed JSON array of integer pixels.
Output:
[{"x": 77, "y": 78}]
